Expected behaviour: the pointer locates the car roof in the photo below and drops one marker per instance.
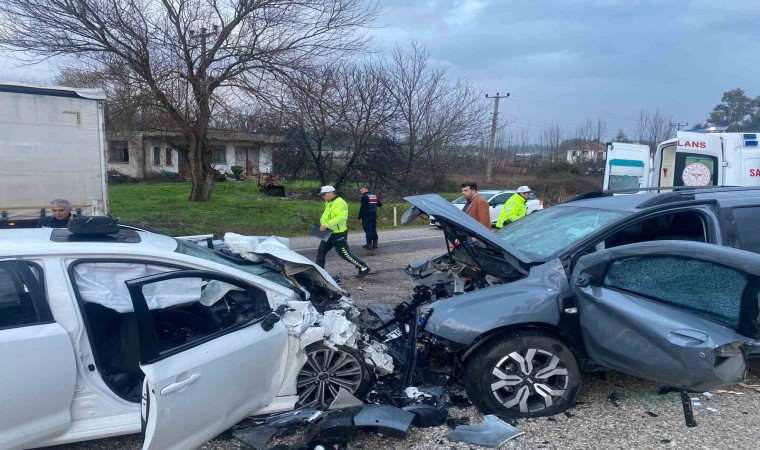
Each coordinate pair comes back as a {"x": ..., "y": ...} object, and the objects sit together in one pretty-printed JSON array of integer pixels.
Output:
[
  {"x": 27, "y": 241},
  {"x": 639, "y": 202}
]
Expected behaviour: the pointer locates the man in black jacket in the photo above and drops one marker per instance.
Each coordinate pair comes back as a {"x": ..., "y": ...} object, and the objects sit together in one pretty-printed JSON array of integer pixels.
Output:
[
  {"x": 368, "y": 216},
  {"x": 61, "y": 210}
]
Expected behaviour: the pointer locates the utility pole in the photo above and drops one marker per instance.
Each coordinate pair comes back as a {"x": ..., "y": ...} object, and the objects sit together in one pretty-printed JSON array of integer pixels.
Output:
[
  {"x": 492, "y": 139},
  {"x": 679, "y": 125}
]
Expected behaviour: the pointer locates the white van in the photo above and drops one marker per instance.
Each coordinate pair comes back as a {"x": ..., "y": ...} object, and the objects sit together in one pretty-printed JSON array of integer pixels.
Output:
[{"x": 691, "y": 159}]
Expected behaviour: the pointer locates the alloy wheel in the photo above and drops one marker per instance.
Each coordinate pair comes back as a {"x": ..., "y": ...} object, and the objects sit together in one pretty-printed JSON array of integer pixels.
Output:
[
  {"x": 327, "y": 371},
  {"x": 530, "y": 380}
]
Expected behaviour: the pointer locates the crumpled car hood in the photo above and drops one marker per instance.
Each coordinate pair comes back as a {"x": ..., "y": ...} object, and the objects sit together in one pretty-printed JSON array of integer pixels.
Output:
[{"x": 291, "y": 262}]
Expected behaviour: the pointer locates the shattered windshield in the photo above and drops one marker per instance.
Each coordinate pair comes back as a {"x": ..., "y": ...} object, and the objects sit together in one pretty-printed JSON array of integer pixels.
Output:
[
  {"x": 544, "y": 234},
  {"x": 262, "y": 269}
]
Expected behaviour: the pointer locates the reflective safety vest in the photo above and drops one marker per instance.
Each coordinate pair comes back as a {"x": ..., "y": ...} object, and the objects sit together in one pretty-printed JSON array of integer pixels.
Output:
[
  {"x": 514, "y": 209},
  {"x": 335, "y": 215}
]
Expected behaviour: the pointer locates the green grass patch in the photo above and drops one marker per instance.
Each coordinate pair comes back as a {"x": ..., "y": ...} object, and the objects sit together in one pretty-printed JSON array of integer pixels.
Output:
[{"x": 239, "y": 207}]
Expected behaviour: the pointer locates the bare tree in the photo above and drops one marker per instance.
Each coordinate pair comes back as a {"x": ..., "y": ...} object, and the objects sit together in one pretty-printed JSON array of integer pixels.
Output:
[
  {"x": 659, "y": 128},
  {"x": 642, "y": 124},
  {"x": 210, "y": 46},
  {"x": 437, "y": 118},
  {"x": 600, "y": 129},
  {"x": 338, "y": 115},
  {"x": 551, "y": 140}
]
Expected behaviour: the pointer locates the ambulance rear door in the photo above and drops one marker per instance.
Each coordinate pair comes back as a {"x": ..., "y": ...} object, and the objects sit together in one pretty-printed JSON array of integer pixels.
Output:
[
  {"x": 628, "y": 166},
  {"x": 749, "y": 155},
  {"x": 693, "y": 159}
]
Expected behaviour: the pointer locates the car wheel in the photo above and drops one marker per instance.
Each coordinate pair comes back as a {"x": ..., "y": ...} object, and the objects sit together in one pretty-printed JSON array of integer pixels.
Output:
[
  {"x": 524, "y": 374},
  {"x": 326, "y": 371}
]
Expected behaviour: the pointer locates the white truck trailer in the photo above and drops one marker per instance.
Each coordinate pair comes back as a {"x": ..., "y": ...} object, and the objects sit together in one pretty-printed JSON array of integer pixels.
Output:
[
  {"x": 691, "y": 159},
  {"x": 52, "y": 145}
]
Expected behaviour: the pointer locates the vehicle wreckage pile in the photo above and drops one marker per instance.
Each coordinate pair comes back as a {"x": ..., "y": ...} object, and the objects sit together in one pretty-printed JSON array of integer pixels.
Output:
[{"x": 361, "y": 371}]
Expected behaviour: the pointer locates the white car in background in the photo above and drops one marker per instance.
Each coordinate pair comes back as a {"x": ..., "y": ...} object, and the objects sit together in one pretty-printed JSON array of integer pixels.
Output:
[{"x": 496, "y": 200}]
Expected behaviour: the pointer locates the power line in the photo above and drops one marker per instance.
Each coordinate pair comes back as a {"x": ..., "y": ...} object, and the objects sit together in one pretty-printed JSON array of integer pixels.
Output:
[{"x": 679, "y": 125}]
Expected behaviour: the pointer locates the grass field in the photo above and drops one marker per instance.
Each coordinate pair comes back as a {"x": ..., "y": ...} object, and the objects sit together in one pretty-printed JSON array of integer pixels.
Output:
[{"x": 238, "y": 207}]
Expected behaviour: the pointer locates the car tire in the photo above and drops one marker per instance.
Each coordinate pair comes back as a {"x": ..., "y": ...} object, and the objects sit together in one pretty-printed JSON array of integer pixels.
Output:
[
  {"x": 326, "y": 371},
  {"x": 523, "y": 374}
]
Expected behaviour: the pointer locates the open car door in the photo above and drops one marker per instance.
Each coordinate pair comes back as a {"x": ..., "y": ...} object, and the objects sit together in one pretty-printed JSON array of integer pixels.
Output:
[
  {"x": 628, "y": 166},
  {"x": 676, "y": 312},
  {"x": 209, "y": 355},
  {"x": 39, "y": 371}
]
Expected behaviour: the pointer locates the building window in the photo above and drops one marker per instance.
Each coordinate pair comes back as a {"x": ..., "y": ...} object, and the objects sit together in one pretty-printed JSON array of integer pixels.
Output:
[
  {"x": 118, "y": 152},
  {"x": 169, "y": 161},
  {"x": 156, "y": 156},
  {"x": 218, "y": 154}
]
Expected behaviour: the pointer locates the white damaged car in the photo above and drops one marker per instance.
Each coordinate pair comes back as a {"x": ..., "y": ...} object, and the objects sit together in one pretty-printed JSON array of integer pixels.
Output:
[{"x": 104, "y": 335}]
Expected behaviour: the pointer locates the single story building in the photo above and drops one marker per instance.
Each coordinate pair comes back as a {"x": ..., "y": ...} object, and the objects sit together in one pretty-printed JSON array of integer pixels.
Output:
[
  {"x": 144, "y": 154},
  {"x": 590, "y": 152}
]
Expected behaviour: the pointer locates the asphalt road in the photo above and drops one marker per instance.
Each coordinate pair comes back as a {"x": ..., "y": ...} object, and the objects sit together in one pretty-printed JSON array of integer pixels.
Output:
[{"x": 405, "y": 241}]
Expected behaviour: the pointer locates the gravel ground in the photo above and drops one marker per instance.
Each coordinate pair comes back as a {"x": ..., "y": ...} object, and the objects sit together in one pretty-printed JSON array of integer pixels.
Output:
[{"x": 644, "y": 418}]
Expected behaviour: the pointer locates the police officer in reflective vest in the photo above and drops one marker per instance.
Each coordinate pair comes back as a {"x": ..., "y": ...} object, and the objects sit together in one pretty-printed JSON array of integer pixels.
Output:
[
  {"x": 368, "y": 216},
  {"x": 334, "y": 219},
  {"x": 515, "y": 208}
]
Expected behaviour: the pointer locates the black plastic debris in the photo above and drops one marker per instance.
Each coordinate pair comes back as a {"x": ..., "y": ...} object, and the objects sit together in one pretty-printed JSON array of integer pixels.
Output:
[
  {"x": 258, "y": 436},
  {"x": 386, "y": 419},
  {"x": 688, "y": 410},
  {"x": 492, "y": 432},
  {"x": 455, "y": 422},
  {"x": 615, "y": 398},
  {"x": 426, "y": 416},
  {"x": 336, "y": 426},
  {"x": 568, "y": 414},
  {"x": 651, "y": 414}
]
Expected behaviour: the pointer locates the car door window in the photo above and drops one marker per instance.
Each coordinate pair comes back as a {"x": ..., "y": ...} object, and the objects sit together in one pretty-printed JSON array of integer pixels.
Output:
[
  {"x": 183, "y": 310},
  {"x": 677, "y": 226},
  {"x": 499, "y": 199},
  {"x": 747, "y": 220},
  {"x": 211, "y": 307},
  {"x": 16, "y": 305},
  {"x": 703, "y": 288}
]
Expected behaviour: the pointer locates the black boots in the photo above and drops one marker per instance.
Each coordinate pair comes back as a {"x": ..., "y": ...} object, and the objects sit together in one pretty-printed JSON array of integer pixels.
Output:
[{"x": 370, "y": 244}]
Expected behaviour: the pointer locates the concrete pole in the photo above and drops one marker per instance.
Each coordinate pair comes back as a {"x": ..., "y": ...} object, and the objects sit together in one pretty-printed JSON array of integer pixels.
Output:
[{"x": 492, "y": 139}]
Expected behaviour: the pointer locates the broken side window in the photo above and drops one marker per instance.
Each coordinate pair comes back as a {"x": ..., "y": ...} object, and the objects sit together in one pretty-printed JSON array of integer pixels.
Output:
[
  {"x": 216, "y": 307},
  {"x": 701, "y": 288},
  {"x": 679, "y": 226}
]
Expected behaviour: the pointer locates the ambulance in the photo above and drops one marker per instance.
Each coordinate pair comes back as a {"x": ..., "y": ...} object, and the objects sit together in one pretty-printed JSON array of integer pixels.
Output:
[{"x": 691, "y": 159}]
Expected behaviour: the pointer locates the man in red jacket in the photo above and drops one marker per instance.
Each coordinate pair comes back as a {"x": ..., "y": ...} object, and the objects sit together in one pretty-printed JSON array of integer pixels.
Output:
[{"x": 476, "y": 206}]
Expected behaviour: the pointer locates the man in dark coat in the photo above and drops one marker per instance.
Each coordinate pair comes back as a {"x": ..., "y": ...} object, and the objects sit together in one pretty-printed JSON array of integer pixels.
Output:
[
  {"x": 368, "y": 216},
  {"x": 61, "y": 210}
]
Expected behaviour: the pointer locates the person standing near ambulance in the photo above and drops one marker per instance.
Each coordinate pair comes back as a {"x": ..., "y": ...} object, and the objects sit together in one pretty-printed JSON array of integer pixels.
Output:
[
  {"x": 515, "y": 208},
  {"x": 368, "y": 216},
  {"x": 334, "y": 218}
]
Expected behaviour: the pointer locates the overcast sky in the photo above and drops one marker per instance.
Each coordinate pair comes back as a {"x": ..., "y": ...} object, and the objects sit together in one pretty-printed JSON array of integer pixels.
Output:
[{"x": 570, "y": 60}]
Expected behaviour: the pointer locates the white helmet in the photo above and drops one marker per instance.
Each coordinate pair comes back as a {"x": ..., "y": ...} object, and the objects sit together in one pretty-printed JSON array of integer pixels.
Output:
[{"x": 523, "y": 190}]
